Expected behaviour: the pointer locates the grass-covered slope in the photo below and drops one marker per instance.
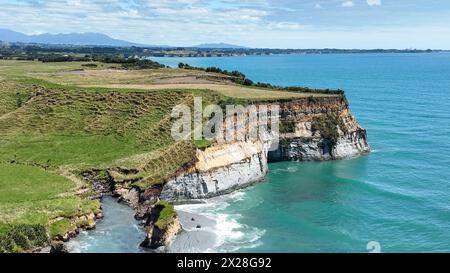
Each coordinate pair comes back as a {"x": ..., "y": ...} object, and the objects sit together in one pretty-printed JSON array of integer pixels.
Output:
[
  {"x": 82, "y": 127},
  {"x": 12, "y": 96},
  {"x": 49, "y": 133},
  {"x": 53, "y": 127}
]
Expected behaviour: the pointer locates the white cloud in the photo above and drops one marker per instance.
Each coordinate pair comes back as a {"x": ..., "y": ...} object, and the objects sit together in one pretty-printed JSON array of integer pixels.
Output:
[
  {"x": 318, "y": 6},
  {"x": 183, "y": 22},
  {"x": 374, "y": 2},
  {"x": 348, "y": 4},
  {"x": 258, "y": 23},
  {"x": 74, "y": 2},
  {"x": 285, "y": 26}
]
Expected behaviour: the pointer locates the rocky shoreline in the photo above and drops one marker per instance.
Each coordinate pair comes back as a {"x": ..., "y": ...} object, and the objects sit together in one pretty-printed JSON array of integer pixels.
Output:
[{"x": 78, "y": 224}]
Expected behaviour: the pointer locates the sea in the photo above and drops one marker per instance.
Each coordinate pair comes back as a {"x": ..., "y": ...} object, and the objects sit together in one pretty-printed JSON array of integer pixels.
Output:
[{"x": 396, "y": 199}]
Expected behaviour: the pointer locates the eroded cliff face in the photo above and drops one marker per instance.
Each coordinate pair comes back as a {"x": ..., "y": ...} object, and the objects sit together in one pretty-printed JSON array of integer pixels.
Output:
[
  {"x": 310, "y": 129},
  {"x": 219, "y": 170},
  {"x": 319, "y": 129}
]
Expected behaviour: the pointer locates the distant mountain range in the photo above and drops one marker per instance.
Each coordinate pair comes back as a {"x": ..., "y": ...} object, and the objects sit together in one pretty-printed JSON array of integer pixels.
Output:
[
  {"x": 87, "y": 39},
  {"x": 94, "y": 39}
]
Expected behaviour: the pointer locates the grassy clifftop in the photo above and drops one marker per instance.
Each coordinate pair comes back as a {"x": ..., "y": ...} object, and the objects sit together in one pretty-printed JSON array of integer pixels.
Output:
[{"x": 57, "y": 120}]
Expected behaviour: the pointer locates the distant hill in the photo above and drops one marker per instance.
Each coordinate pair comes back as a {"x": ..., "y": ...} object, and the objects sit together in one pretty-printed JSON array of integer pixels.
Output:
[
  {"x": 219, "y": 45},
  {"x": 89, "y": 38}
]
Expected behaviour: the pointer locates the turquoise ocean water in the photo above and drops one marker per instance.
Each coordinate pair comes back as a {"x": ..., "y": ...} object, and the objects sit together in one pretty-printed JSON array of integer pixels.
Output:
[{"x": 398, "y": 196}]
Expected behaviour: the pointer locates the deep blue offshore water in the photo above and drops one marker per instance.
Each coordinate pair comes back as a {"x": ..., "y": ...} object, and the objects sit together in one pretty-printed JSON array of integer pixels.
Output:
[{"x": 399, "y": 195}]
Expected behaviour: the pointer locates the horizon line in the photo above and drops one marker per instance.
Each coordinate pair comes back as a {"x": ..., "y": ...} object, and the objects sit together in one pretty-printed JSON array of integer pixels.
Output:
[{"x": 238, "y": 47}]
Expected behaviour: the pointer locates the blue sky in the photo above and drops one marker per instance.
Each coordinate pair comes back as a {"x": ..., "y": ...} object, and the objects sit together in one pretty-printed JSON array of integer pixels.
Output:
[{"x": 255, "y": 23}]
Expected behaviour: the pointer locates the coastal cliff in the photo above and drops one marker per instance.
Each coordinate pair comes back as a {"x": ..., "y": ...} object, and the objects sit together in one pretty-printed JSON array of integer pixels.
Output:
[
  {"x": 78, "y": 141},
  {"x": 319, "y": 128},
  {"x": 310, "y": 129}
]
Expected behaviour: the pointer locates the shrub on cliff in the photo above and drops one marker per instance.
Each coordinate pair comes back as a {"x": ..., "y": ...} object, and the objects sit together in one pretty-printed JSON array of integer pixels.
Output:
[
  {"x": 287, "y": 127},
  {"x": 328, "y": 126}
]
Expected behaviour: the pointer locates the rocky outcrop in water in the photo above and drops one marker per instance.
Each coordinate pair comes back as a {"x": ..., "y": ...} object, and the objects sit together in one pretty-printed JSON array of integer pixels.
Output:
[
  {"x": 57, "y": 247},
  {"x": 162, "y": 226}
]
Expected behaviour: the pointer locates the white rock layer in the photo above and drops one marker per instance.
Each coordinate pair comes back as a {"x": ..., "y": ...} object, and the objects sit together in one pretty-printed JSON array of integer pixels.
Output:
[{"x": 220, "y": 170}]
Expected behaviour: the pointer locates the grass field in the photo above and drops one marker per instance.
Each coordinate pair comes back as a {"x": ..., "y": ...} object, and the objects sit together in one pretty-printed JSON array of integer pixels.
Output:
[
  {"x": 57, "y": 120},
  {"x": 32, "y": 196},
  {"x": 106, "y": 76},
  {"x": 19, "y": 69},
  {"x": 233, "y": 91}
]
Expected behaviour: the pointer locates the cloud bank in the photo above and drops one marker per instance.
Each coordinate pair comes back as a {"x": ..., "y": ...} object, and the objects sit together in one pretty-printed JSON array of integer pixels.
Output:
[{"x": 254, "y": 23}]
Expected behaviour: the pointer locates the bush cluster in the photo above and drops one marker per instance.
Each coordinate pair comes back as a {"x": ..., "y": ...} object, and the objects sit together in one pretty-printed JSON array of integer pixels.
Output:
[
  {"x": 23, "y": 237},
  {"x": 237, "y": 77},
  {"x": 142, "y": 64},
  {"x": 328, "y": 126},
  {"x": 287, "y": 127},
  {"x": 240, "y": 78},
  {"x": 126, "y": 63},
  {"x": 49, "y": 58}
]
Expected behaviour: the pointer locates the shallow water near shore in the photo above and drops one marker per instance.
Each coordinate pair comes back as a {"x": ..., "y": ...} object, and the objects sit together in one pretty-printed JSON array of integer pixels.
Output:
[
  {"x": 397, "y": 196},
  {"x": 117, "y": 232}
]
